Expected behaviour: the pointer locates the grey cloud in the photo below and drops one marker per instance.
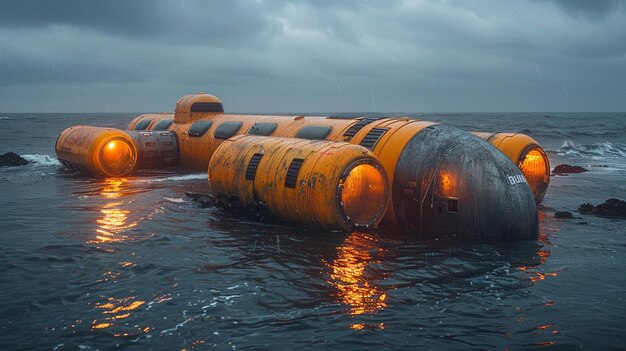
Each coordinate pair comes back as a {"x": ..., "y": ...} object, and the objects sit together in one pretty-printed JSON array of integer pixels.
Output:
[
  {"x": 589, "y": 8},
  {"x": 305, "y": 55},
  {"x": 222, "y": 22}
]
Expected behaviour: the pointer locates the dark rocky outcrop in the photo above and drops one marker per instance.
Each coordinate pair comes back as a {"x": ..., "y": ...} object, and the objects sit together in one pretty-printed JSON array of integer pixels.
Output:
[
  {"x": 566, "y": 169},
  {"x": 610, "y": 208},
  {"x": 563, "y": 214},
  {"x": 11, "y": 159},
  {"x": 205, "y": 200},
  {"x": 586, "y": 208}
]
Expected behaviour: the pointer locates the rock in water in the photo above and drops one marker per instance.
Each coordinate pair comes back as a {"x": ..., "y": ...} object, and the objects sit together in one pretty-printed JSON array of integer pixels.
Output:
[
  {"x": 563, "y": 214},
  {"x": 565, "y": 169},
  {"x": 205, "y": 200},
  {"x": 610, "y": 208},
  {"x": 11, "y": 159},
  {"x": 586, "y": 208}
]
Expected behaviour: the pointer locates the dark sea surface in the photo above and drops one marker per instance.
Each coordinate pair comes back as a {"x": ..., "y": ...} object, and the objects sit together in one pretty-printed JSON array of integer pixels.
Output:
[{"x": 100, "y": 264}]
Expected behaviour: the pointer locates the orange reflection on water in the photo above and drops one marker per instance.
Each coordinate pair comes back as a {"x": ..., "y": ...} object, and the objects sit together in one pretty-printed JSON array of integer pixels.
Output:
[
  {"x": 359, "y": 326},
  {"x": 535, "y": 274},
  {"x": 545, "y": 227},
  {"x": 113, "y": 187},
  {"x": 355, "y": 288},
  {"x": 116, "y": 309},
  {"x": 115, "y": 219}
]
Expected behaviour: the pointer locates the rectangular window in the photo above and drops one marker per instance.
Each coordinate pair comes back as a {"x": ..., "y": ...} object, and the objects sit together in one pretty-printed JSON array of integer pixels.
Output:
[{"x": 292, "y": 173}]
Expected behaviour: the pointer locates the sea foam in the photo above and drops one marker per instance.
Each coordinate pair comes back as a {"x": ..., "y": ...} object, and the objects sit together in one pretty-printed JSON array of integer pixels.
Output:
[
  {"x": 596, "y": 150},
  {"x": 176, "y": 178},
  {"x": 41, "y": 160}
]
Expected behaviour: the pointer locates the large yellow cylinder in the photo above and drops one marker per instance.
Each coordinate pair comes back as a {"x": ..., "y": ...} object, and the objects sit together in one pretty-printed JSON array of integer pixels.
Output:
[
  {"x": 527, "y": 154},
  {"x": 97, "y": 151},
  {"x": 319, "y": 184},
  {"x": 205, "y": 112}
]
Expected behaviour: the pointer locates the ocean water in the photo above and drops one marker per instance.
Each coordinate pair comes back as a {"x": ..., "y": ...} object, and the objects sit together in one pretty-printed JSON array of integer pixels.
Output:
[{"x": 131, "y": 263}]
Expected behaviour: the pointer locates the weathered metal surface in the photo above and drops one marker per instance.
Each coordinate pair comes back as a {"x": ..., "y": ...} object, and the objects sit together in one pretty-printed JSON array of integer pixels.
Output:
[
  {"x": 96, "y": 151},
  {"x": 317, "y": 184},
  {"x": 529, "y": 157},
  {"x": 155, "y": 149},
  {"x": 448, "y": 181},
  {"x": 153, "y": 120}
]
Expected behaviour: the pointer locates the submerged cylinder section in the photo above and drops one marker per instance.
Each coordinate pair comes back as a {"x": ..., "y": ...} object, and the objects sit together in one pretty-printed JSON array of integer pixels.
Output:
[
  {"x": 318, "y": 184},
  {"x": 97, "y": 151},
  {"x": 527, "y": 154}
]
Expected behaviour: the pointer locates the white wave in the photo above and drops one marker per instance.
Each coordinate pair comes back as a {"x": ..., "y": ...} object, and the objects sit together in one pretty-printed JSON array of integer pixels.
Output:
[
  {"x": 194, "y": 176},
  {"x": 4, "y": 117},
  {"x": 176, "y": 200},
  {"x": 595, "y": 151},
  {"x": 176, "y": 178},
  {"x": 42, "y": 160}
]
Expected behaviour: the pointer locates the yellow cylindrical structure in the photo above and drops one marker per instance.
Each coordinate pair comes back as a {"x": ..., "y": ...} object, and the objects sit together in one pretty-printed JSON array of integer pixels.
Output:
[
  {"x": 319, "y": 184},
  {"x": 205, "y": 113},
  {"x": 387, "y": 139},
  {"x": 335, "y": 173},
  {"x": 97, "y": 151},
  {"x": 527, "y": 154}
]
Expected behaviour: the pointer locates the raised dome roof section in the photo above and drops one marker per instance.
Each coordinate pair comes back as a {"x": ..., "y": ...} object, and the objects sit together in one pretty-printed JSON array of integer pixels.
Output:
[{"x": 189, "y": 107}]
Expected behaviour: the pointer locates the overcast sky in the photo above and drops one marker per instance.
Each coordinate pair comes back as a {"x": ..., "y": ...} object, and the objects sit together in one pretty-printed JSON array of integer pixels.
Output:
[{"x": 314, "y": 56}]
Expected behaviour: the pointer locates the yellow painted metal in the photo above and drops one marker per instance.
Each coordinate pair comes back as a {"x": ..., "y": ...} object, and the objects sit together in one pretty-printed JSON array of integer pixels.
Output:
[
  {"x": 337, "y": 186},
  {"x": 196, "y": 151},
  {"x": 527, "y": 154},
  {"x": 290, "y": 126},
  {"x": 340, "y": 183},
  {"x": 184, "y": 113},
  {"x": 97, "y": 151},
  {"x": 390, "y": 146}
]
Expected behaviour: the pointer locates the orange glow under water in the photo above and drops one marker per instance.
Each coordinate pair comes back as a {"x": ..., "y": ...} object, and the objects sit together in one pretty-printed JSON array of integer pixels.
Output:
[{"x": 364, "y": 195}]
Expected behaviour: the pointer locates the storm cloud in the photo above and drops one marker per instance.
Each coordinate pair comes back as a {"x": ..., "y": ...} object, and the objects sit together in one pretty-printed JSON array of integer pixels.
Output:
[{"x": 314, "y": 56}]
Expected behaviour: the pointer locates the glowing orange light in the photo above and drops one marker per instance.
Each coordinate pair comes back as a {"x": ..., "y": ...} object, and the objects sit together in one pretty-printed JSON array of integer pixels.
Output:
[
  {"x": 364, "y": 194},
  {"x": 535, "y": 167},
  {"x": 117, "y": 157},
  {"x": 448, "y": 183}
]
